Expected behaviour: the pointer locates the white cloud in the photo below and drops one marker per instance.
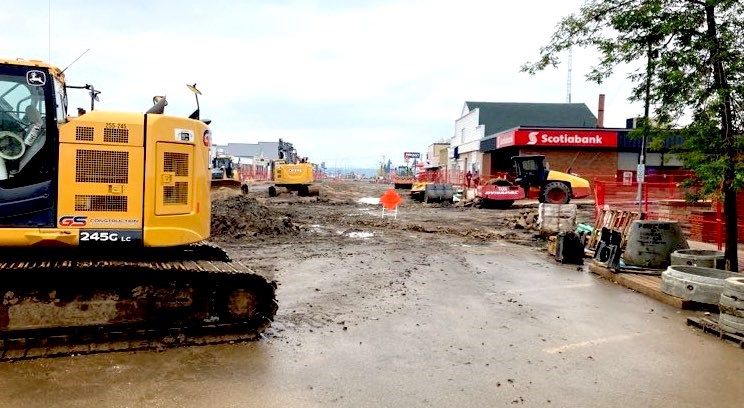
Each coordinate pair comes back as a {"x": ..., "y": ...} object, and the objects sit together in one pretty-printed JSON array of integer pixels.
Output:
[{"x": 350, "y": 82}]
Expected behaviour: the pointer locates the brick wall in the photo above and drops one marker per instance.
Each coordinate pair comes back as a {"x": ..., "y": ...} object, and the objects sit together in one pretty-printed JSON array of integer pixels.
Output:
[{"x": 704, "y": 225}]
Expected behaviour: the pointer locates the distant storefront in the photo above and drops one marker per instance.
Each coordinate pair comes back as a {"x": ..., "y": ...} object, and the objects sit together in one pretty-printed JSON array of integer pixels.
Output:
[
  {"x": 567, "y": 134},
  {"x": 602, "y": 153}
]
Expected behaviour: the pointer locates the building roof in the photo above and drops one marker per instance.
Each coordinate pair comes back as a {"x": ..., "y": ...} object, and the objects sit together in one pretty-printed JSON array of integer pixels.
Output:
[
  {"x": 267, "y": 150},
  {"x": 500, "y": 116}
]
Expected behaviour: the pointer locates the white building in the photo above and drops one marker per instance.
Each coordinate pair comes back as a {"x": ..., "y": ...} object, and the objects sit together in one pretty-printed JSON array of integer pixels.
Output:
[{"x": 464, "y": 151}]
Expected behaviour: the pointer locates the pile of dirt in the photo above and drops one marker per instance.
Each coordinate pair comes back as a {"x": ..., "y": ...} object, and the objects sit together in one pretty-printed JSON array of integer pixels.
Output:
[
  {"x": 350, "y": 192},
  {"x": 241, "y": 216},
  {"x": 525, "y": 220}
]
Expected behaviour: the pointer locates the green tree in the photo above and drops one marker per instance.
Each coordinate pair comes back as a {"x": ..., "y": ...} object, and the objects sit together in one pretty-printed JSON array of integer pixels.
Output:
[
  {"x": 384, "y": 169},
  {"x": 691, "y": 52}
]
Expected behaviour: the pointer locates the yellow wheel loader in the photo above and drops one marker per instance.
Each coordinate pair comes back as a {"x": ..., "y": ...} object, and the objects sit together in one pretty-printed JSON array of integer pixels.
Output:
[
  {"x": 103, "y": 223},
  {"x": 226, "y": 174}
]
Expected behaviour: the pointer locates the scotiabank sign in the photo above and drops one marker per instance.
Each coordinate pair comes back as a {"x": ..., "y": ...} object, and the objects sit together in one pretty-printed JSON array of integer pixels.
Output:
[{"x": 557, "y": 137}]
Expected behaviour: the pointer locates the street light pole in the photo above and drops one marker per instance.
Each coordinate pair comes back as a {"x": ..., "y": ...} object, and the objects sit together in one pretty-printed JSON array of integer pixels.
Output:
[{"x": 641, "y": 171}]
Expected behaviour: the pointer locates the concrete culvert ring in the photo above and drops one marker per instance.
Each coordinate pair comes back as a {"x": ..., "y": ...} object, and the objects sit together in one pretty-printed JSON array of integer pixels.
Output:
[
  {"x": 697, "y": 257},
  {"x": 704, "y": 285},
  {"x": 556, "y": 192},
  {"x": 735, "y": 285},
  {"x": 732, "y": 302},
  {"x": 732, "y": 306},
  {"x": 731, "y": 324}
]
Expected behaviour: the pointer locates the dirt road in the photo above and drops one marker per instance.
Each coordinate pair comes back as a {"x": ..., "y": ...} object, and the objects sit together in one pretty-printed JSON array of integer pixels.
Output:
[{"x": 443, "y": 306}]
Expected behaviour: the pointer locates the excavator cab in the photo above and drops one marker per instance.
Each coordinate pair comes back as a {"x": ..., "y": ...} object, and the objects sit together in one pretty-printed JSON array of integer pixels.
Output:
[{"x": 32, "y": 102}]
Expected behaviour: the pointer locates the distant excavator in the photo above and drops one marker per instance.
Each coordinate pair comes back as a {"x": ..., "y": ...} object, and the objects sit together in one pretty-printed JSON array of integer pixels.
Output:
[{"x": 292, "y": 173}]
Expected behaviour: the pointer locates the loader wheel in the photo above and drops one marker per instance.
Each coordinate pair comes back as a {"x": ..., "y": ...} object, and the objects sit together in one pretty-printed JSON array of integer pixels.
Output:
[
  {"x": 244, "y": 189},
  {"x": 272, "y": 191},
  {"x": 556, "y": 192}
]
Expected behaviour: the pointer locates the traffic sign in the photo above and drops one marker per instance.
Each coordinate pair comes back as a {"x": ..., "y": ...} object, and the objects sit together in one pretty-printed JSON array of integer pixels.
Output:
[
  {"x": 640, "y": 173},
  {"x": 411, "y": 155},
  {"x": 390, "y": 200}
]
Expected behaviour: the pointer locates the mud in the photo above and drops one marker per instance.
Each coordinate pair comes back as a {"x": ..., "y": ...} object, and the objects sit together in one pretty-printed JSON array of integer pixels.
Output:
[
  {"x": 445, "y": 305},
  {"x": 290, "y": 218},
  {"x": 240, "y": 217}
]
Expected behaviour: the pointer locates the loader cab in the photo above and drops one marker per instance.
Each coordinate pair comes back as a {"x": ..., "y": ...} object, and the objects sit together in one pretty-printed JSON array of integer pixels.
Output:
[
  {"x": 32, "y": 101},
  {"x": 531, "y": 171},
  {"x": 222, "y": 167},
  {"x": 403, "y": 171}
]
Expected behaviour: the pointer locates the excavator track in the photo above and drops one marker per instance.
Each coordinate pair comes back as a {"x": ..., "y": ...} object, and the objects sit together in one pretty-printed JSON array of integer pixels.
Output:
[{"x": 74, "y": 302}]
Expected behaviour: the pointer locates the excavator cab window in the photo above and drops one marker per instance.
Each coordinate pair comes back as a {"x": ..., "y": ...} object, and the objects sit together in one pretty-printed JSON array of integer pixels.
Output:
[
  {"x": 28, "y": 135},
  {"x": 222, "y": 166}
]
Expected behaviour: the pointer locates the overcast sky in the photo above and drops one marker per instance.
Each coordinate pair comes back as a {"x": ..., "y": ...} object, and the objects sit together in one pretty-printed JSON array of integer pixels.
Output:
[{"x": 347, "y": 82}]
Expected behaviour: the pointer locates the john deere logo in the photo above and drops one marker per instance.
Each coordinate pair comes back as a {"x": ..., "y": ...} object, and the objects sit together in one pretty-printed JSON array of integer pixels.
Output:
[
  {"x": 294, "y": 170},
  {"x": 35, "y": 78}
]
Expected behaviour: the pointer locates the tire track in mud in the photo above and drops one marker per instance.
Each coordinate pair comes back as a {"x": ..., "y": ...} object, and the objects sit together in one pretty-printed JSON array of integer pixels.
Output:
[{"x": 338, "y": 262}]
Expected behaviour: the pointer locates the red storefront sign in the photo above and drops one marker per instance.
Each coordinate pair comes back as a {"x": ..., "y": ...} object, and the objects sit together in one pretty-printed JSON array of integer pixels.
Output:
[{"x": 557, "y": 137}]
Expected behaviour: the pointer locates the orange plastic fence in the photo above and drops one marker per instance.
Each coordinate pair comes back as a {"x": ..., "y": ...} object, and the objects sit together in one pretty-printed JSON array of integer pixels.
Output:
[
  {"x": 703, "y": 222},
  {"x": 457, "y": 177}
]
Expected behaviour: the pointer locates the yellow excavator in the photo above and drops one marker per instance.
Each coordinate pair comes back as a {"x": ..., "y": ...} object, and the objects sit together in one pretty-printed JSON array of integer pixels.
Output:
[
  {"x": 104, "y": 219},
  {"x": 292, "y": 173}
]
